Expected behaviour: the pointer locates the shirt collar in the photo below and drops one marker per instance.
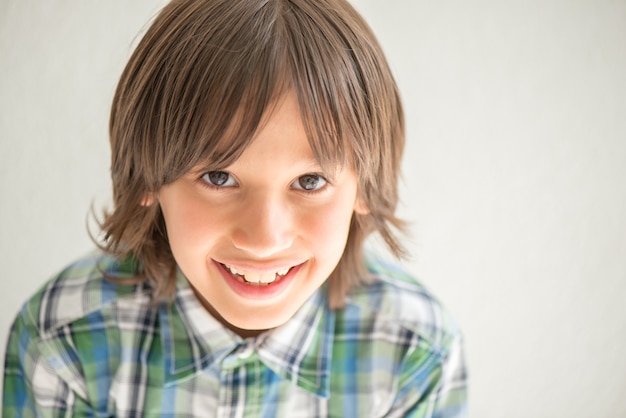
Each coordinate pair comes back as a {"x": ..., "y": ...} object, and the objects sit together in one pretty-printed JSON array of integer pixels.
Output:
[{"x": 299, "y": 351}]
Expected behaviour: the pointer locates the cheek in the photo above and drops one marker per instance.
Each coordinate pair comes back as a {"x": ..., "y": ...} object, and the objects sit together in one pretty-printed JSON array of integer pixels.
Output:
[
  {"x": 189, "y": 224},
  {"x": 327, "y": 228}
]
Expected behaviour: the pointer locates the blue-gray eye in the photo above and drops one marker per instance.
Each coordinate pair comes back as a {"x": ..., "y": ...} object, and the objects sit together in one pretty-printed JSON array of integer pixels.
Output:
[
  {"x": 309, "y": 182},
  {"x": 219, "y": 179}
]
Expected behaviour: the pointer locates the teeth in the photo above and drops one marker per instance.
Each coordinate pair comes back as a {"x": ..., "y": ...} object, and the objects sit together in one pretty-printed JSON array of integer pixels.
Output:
[
  {"x": 258, "y": 278},
  {"x": 232, "y": 270}
]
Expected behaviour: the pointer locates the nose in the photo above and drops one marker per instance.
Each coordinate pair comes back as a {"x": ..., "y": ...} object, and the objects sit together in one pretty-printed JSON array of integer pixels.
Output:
[{"x": 264, "y": 226}]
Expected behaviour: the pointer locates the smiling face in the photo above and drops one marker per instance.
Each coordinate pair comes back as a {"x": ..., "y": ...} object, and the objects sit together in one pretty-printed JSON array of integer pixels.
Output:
[{"x": 257, "y": 238}]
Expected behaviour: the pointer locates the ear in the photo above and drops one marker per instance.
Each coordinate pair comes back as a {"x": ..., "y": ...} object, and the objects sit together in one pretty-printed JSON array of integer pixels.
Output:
[
  {"x": 147, "y": 199},
  {"x": 360, "y": 207}
]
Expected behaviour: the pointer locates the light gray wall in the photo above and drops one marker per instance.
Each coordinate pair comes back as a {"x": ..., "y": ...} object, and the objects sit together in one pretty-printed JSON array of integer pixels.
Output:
[{"x": 513, "y": 179}]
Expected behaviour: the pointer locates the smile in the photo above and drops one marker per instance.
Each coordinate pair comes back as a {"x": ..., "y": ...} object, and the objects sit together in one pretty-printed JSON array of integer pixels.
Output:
[{"x": 255, "y": 278}]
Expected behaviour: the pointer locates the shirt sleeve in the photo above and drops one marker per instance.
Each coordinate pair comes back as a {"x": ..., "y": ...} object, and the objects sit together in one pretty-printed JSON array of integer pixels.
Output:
[
  {"x": 433, "y": 386},
  {"x": 31, "y": 388}
]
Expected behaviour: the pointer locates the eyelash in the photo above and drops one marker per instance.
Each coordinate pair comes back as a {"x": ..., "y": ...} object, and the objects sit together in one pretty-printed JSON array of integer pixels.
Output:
[{"x": 319, "y": 190}]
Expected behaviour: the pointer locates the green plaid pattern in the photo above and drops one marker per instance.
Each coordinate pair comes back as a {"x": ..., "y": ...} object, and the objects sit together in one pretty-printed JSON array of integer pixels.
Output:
[{"x": 83, "y": 346}]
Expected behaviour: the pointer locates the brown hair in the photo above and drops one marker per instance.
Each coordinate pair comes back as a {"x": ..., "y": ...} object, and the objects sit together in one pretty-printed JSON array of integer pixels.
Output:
[{"x": 203, "y": 62}]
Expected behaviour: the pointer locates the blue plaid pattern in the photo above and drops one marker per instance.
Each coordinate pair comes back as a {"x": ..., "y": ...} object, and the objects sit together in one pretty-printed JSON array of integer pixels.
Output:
[{"x": 83, "y": 346}]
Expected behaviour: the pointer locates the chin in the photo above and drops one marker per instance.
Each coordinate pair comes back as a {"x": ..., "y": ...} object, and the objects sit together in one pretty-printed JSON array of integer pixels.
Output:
[{"x": 261, "y": 321}]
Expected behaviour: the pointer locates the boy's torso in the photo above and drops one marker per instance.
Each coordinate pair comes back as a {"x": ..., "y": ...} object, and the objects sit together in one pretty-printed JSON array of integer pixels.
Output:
[{"x": 105, "y": 350}]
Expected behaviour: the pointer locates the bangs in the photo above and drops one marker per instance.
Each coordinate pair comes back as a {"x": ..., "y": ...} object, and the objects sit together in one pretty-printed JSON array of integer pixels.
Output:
[
  {"x": 329, "y": 81},
  {"x": 201, "y": 87},
  {"x": 217, "y": 82}
]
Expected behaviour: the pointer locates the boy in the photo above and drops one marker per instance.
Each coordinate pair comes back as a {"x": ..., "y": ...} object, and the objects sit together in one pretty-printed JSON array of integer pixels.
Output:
[{"x": 255, "y": 145}]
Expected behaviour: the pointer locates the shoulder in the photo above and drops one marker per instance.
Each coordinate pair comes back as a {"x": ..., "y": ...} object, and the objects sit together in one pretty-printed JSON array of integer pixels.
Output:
[
  {"x": 86, "y": 286},
  {"x": 395, "y": 299},
  {"x": 72, "y": 329},
  {"x": 395, "y": 342}
]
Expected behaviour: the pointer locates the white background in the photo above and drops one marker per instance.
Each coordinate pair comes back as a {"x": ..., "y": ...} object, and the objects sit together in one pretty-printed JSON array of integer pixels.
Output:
[{"x": 514, "y": 176}]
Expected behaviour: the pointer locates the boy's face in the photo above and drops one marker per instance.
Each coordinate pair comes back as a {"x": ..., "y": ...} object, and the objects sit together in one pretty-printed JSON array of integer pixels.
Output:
[{"x": 257, "y": 238}]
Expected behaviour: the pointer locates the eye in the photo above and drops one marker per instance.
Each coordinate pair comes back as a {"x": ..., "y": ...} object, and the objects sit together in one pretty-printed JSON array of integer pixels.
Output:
[
  {"x": 309, "y": 182},
  {"x": 219, "y": 179}
]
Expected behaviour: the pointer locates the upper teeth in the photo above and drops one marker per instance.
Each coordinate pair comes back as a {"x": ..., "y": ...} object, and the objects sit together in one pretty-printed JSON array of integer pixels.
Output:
[{"x": 253, "y": 277}]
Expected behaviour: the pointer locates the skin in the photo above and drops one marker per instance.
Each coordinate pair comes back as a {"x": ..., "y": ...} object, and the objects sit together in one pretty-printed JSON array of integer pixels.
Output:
[{"x": 256, "y": 217}]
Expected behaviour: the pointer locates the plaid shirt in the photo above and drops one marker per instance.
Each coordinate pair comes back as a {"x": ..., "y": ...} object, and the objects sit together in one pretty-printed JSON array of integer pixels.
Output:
[{"x": 83, "y": 346}]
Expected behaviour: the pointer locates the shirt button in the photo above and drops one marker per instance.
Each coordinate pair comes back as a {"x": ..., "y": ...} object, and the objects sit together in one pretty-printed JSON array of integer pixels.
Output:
[{"x": 246, "y": 352}]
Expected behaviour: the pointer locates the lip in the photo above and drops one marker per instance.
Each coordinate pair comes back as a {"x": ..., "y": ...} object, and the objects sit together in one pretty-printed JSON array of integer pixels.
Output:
[{"x": 251, "y": 291}]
